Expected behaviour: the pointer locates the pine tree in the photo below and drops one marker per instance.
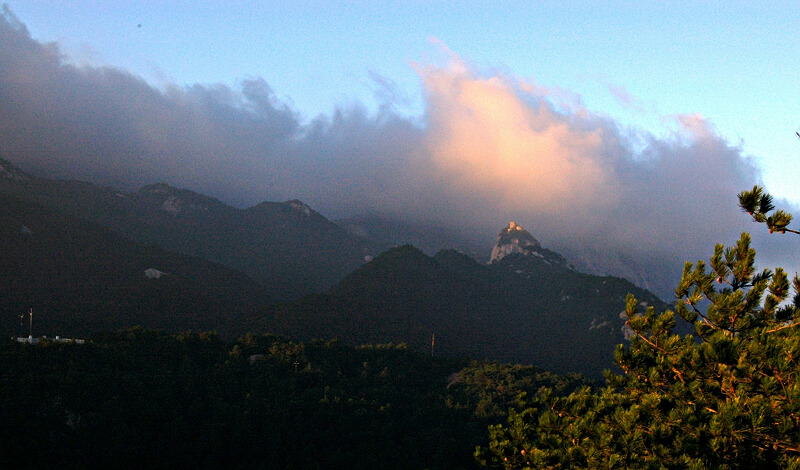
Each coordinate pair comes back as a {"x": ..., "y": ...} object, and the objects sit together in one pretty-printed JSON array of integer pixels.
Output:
[
  {"x": 758, "y": 204},
  {"x": 726, "y": 396}
]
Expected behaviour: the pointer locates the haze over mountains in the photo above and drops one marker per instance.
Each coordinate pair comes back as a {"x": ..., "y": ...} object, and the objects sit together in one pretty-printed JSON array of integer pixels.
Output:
[
  {"x": 88, "y": 257},
  {"x": 490, "y": 148},
  {"x": 287, "y": 247},
  {"x": 526, "y": 306}
]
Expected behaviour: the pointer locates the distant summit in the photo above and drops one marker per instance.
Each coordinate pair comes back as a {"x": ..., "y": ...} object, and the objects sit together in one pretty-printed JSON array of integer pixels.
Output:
[{"x": 514, "y": 239}]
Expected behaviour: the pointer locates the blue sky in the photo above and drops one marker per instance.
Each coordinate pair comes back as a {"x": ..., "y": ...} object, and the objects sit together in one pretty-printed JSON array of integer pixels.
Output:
[{"x": 736, "y": 64}]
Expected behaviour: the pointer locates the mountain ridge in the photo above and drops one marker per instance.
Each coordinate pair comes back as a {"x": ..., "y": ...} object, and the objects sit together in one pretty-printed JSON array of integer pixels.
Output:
[
  {"x": 287, "y": 246},
  {"x": 520, "y": 308},
  {"x": 526, "y": 305}
]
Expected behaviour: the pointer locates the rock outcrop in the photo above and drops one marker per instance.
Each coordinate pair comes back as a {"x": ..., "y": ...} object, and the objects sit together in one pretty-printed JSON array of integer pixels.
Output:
[{"x": 515, "y": 239}]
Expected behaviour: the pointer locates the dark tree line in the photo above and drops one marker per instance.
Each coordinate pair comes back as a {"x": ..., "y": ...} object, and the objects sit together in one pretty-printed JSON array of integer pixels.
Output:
[{"x": 143, "y": 399}]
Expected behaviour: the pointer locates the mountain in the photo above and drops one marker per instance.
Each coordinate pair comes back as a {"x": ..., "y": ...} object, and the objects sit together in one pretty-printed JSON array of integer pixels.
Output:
[
  {"x": 270, "y": 246},
  {"x": 589, "y": 259},
  {"x": 516, "y": 240},
  {"x": 526, "y": 306},
  {"x": 288, "y": 247},
  {"x": 78, "y": 277},
  {"x": 384, "y": 232},
  {"x": 95, "y": 257}
]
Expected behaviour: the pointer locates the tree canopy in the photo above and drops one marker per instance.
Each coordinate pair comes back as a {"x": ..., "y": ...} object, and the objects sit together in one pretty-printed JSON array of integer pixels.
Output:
[{"x": 139, "y": 398}]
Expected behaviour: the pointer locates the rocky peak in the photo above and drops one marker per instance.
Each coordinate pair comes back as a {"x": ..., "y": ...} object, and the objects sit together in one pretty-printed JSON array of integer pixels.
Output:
[
  {"x": 173, "y": 200},
  {"x": 299, "y": 206},
  {"x": 515, "y": 239},
  {"x": 10, "y": 172}
]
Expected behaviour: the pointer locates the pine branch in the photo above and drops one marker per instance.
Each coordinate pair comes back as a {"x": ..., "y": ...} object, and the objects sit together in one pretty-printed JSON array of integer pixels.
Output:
[
  {"x": 663, "y": 351},
  {"x": 791, "y": 325},
  {"x": 758, "y": 204}
]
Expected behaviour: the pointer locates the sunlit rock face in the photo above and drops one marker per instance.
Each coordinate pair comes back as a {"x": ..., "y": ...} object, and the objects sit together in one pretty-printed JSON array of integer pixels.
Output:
[{"x": 515, "y": 239}]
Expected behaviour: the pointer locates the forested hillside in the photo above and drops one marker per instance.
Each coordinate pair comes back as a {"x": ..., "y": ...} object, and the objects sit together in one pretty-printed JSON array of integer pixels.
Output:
[
  {"x": 142, "y": 399},
  {"x": 521, "y": 309},
  {"x": 78, "y": 277}
]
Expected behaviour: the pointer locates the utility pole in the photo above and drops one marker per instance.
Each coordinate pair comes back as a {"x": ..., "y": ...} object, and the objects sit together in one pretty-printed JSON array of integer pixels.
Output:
[{"x": 30, "y": 326}]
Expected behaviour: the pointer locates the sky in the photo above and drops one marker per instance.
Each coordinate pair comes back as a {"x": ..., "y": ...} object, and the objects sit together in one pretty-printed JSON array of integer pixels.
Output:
[{"x": 607, "y": 128}]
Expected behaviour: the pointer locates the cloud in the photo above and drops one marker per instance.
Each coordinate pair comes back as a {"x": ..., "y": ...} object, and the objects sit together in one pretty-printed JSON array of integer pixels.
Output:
[
  {"x": 489, "y": 138},
  {"x": 490, "y": 148},
  {"x": 505, "y": 149},
  {"x": 623, "y": 96}
]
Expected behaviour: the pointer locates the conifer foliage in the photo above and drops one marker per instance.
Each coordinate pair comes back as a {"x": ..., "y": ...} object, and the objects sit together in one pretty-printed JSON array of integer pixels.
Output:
[
  {"x": 726, "y": 396},
  {"x": 758, "y": 204}
]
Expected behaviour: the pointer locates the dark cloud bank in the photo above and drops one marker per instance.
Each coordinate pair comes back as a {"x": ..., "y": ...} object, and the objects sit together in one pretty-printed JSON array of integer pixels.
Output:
[{"x": 489, "y": 149}]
